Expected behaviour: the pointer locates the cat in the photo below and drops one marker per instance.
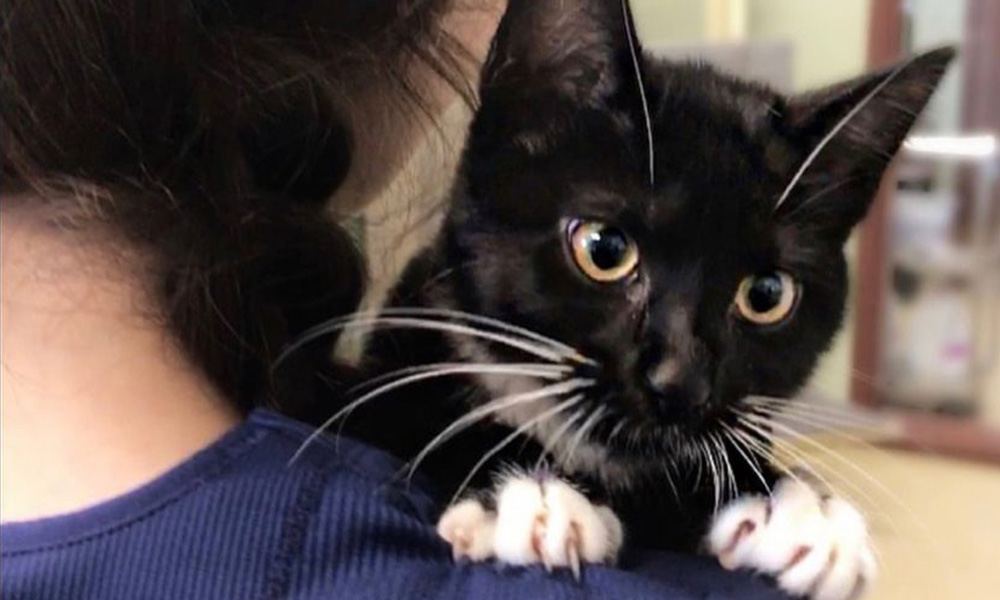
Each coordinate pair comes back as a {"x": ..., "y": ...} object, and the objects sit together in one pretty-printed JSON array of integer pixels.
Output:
[{"x": 641, "y": 258}]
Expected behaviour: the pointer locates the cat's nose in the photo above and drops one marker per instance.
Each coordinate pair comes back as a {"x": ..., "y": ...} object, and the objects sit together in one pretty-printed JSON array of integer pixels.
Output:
[{"x": 677, "y": 393}]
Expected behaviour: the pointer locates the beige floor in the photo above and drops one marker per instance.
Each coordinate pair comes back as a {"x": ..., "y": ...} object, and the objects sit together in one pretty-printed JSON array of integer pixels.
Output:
[{"x": 936, "y": 521}]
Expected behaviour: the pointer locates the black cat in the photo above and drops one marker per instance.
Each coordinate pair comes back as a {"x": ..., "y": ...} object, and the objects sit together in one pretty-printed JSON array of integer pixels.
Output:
[{"x": 636, "y": 252}]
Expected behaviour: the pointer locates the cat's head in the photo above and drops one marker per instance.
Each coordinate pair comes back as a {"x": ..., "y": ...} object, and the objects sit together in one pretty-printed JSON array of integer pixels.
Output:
[{"x": 689, "y": 241}]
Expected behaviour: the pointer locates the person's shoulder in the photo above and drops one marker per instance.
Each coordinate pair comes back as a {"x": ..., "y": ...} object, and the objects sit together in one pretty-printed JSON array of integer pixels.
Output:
[
  {"x": 345, "y": 473},
  {"x": 293, "y": 445},
  {"x": 272, "y": 510}
]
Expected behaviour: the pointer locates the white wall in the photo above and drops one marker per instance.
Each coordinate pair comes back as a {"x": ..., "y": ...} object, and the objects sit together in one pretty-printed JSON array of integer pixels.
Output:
[
  {"x": 830, "y": 37},
  {"x": 665, "y": 21}
]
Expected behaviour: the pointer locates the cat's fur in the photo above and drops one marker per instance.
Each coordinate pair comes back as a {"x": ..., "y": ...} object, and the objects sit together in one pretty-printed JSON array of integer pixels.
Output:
[{"x": 561, "y": 134}]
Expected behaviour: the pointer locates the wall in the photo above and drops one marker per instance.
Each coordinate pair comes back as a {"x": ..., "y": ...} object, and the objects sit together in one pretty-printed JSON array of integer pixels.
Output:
[
  {"x": 665, "y": 21},
  {"x": 830, "y": 37}
]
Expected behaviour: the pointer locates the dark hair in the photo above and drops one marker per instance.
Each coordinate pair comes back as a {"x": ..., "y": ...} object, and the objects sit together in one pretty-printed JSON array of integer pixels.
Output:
[{"x": 210, "y": 135}]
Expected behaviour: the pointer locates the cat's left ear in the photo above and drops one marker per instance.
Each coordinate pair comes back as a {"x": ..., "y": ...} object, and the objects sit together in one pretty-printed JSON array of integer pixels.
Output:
[
  {"x": 844, "y": 137},
  {"x": 550, "y": 59}
]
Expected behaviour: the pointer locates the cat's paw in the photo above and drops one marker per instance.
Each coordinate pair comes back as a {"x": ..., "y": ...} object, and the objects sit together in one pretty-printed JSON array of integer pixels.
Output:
[
  {"x": 815, "y": 546},
  {"x": 537, "y": 521}
]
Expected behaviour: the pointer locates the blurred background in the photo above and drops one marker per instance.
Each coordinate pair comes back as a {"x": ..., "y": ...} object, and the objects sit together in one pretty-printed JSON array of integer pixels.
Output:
[{"x": 904, "y": 414}]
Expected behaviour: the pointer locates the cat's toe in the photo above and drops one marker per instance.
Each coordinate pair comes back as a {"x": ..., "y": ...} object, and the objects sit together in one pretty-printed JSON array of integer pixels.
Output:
[
  {"x": 537, "y": 521},
  {"x": 469, "y": 528},
  {"x": 815, "y": 546},
  {"x": 548, "y": 521}
]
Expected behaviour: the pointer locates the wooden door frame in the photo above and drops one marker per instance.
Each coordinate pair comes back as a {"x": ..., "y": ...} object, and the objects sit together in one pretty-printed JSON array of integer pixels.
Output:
[{"x": 885, "y": 43}]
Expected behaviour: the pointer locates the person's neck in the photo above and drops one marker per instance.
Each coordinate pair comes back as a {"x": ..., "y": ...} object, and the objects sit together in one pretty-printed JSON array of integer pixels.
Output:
[{"x": 96, "y": 398}]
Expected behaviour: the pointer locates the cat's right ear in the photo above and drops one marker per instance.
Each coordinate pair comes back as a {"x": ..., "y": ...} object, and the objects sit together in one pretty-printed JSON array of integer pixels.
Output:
[
  {"x": 551, "y": 58},
  {"x": 846, "y": 135}
]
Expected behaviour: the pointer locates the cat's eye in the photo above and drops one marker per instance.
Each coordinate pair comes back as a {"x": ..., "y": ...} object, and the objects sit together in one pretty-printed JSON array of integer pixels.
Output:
[
  {"x": 603, "y": 252},
  {"x": 767, "y": 298}
]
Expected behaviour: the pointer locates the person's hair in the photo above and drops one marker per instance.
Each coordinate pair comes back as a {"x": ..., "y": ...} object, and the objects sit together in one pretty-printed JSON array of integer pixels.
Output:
[{"x": 210, "y": 135}]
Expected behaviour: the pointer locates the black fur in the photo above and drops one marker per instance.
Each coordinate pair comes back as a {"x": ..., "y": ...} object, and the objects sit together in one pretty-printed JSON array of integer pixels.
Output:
[{"x": 560, "y": 134}]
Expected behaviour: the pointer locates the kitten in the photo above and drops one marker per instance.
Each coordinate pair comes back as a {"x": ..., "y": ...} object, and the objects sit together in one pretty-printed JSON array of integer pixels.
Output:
[{"x": 639, "y": 258}]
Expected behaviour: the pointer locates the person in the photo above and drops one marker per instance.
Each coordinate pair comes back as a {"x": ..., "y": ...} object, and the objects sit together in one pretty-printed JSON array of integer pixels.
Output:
[{"x": 176, "y": 176}]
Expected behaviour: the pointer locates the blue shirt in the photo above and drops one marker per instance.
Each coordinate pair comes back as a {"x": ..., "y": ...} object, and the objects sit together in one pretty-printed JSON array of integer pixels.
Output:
[{"x": 236, "y": 521}]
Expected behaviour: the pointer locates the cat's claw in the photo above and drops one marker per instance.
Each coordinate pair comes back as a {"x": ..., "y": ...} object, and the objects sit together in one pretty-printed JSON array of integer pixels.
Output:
[
  {"x": 537, "y": 521},
  {"x": 815, "y": 546}
]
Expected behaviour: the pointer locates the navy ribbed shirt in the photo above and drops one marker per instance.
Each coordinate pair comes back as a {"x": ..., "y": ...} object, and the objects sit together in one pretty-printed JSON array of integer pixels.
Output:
[{"x": 236, "y": 521}]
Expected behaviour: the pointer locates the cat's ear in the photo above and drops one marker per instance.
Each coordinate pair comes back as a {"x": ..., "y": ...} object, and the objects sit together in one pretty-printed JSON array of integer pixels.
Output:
[
  {"x": 844, "y": 137},
  {"x": 550, "y": 57}
]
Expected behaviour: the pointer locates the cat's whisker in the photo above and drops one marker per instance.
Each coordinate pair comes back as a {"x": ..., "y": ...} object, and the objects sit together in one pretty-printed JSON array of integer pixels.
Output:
[
  {"x": 391, "y": 375},
  {"x": 581, "y": 434},
  {"x": 443, "y": 320},
  {"x": 800, "y": 401},
  {"x": 885, "y": 516},
  {"x": 769, "y": 446},
  {"x": 361, "y": 324},
  {"x": 617, "y": 429},
  {"x": 482, "y": 320},
  {"x": 445, "y": 370},
  {"x": 720, "y": 472},
  {"x": 493, "y": 407},
  {"x": 731, "y": 483},
  {"x": 706, "y": 449},
  {"x": 669, "y": 470},
  {"x": 523, "y": 429},
  {"x": 802, "y": 461},
  {"x": 557, "y": 436},
  {"x": 826, "y": 426},
  {"x": 800, "y": 456},
  {"x": 820, "y": 422},
  {"x": 699, "y": 464},
  {"x": 784, "y": 429},
  {"x": 738, "y": 446},
  {"x": 831, "y": 415},
  {"x": 843, "y": 435},
  {"x": 758, "y": 449},
  {"x": 642, "y": 94}
]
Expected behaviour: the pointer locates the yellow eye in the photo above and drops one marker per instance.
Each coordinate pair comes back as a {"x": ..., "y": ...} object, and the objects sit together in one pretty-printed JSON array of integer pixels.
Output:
[
  {"x": 767, "y": 298},
  {"x": 603, "y": 252}
]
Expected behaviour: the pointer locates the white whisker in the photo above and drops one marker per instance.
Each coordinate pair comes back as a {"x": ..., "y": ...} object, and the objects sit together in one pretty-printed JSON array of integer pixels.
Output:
[
  {"x": 555, "y": 355},
  {"x": 813, "y": 464},
  {"x": 642, "y": 93},
  {"x": 445, "y": 371},
  {"x": 581, "y": 434},
  {"x": 524, "y": 428},
  {"x": 492, "y": 407},
  {"x": 724, "y": 457},
  {"x": 482, "y": 320},
  {"x": 752, "y": 463},
  {"x": 708, "y": 451},
  {"x": 617, "y": 429},
  {"x": 844, "y": 414},
  {"x": 847, "y": 462},
  {"x": 669, "y": 472},
  {"x": 557, "y": 436},
  {"x": 764, "y": 451},
  {"x": 397, "y": 373}
]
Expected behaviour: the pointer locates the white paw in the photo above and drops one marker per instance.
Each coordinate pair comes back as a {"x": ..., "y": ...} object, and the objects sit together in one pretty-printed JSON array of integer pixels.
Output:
[
  {"x": 537, "y": 521},
  {"x": 815, "y": 546}
]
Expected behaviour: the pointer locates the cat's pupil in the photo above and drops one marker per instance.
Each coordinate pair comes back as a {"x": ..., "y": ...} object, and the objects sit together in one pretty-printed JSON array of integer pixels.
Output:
[
  {"x": 608, "y": 248},
  {"x": 765, "y": 293}
]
